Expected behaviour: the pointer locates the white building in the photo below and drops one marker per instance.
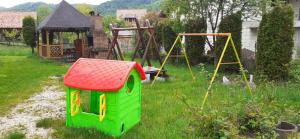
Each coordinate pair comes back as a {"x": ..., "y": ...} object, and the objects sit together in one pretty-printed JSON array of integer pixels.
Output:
[{"x": 250, "y": 31}]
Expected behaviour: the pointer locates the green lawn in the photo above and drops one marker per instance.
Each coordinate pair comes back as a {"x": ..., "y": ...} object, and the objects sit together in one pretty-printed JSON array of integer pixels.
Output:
[
  {"x": 23, "y": 74},
  {"x": 164, "y": 115},
  {"x": 229, "y": 112}
]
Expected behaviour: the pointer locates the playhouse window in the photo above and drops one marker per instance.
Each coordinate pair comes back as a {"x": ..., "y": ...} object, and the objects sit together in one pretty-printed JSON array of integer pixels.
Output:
[
  {"x": 85, "y": 97},
  {"x": 130, "y": 83}
]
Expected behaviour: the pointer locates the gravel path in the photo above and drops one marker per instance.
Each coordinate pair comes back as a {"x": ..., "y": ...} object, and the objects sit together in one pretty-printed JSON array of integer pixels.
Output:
[{"x": 50, "y": 103}]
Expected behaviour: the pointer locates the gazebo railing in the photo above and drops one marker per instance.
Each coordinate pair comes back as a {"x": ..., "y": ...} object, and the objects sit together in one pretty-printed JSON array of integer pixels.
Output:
[{"x": 51, "y": 51}]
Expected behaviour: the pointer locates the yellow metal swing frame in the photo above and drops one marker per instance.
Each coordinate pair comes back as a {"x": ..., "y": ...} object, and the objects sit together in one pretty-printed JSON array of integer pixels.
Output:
[{"x": 229, "y": 40}]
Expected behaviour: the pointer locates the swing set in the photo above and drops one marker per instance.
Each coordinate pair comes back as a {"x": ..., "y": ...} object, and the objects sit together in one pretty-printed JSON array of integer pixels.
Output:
[
  {"x": 142, "y": 48},
  {"x": 229, "y": 40}
]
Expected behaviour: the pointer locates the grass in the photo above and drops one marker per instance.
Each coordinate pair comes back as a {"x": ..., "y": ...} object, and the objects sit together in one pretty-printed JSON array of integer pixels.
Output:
[
  {"x": 23, "y": 74},
  {"x": 164, "y": 110},
  {"x": 164, "y": 115},
  {"x": 20, "y": 50},
  {"x": 46, "y": 123},
  {"x": 15, "y": 135}
]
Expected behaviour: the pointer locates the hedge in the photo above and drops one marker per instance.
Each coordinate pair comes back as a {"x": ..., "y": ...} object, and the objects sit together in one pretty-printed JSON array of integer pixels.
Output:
[
  {"x": 275, "y": 43},
  {"x": 195, "y": 45}
]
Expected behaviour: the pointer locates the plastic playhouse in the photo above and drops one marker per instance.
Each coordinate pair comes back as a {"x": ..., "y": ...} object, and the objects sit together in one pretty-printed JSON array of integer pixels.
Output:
[{"x": 115, "y": 100}]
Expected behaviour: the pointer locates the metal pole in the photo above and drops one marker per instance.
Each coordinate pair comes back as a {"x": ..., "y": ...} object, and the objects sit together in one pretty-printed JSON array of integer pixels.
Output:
[
  {"x": 241, "y": 66},
  {"x": 186, "y": 58},
  {"x": 216, "y": 71},
  {"x": 165, "y": 60}
]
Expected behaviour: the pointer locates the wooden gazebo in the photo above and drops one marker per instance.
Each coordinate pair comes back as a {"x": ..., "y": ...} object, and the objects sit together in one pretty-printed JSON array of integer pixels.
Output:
[{"x": 64, "y": 19}]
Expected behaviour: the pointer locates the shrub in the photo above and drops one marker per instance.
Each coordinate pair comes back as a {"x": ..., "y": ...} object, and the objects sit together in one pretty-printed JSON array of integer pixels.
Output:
[
  {"x": 195, "y": 45},
  {"x": 275, "y": 43},
  {"x": 230, "y": 24},
  {"x": 10, "y": 35},
  {"x": 29, "y": 32}
]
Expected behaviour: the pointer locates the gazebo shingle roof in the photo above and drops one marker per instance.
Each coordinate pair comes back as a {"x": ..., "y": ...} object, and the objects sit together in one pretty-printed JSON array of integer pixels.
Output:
[{"x": 65, "y": 18}]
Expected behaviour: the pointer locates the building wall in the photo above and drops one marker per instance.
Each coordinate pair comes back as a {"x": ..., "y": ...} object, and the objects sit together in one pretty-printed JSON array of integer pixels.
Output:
[
  {"x": 249, "y": 35},
  {"x": 250, "y": 30}
]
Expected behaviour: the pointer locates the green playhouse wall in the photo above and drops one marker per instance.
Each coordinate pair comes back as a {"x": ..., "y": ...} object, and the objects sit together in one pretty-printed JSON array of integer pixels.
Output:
[{"x": 123, "y": 109}]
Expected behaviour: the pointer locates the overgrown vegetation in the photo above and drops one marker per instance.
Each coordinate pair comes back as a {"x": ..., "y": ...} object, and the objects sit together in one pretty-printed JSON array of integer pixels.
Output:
[
  {"x": 275, "y": 43},
  {"x": 230, "y": 24}
]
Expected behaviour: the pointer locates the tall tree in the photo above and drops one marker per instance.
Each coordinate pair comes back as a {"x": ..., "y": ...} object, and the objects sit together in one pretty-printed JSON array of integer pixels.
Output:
[
  {"x": 42, "y": 12},
  {"x": 29, "y": 32},
  {"x": 84, "y": 8},
  {"x": 274, "y": 52},
  {"x": 195, "y": 45}
]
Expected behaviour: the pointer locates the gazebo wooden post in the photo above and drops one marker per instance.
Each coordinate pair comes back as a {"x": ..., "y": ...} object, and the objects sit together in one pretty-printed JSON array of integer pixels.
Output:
[
  {"x": 82, "y": 44},
  {"x": 61, "y": 42},
  {"x": 48, "y": 43},
  {"x": 38, "y": 43}
]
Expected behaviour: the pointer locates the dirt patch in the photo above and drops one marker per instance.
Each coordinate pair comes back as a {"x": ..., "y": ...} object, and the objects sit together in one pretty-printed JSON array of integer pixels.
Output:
[{"x": 47, "y": 104}]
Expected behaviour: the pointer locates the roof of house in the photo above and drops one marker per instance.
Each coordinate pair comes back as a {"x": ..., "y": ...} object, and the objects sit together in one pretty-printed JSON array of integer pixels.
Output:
[
  {"x": 100, "y": 75},
  {"x": 14, "y": 19},
  {"x": 65, "y": 18},
  {"x": 130, "y": 13}
]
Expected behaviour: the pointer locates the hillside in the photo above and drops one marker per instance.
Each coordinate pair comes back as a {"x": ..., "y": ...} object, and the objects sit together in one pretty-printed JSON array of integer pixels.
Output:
[
  {"x": 28, "y": 7},
  {"x": 106, "y": 8},
  {"x": 110, "y": 7}
]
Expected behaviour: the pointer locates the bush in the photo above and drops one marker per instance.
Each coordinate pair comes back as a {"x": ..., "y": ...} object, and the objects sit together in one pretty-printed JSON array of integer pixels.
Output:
[
  {"x": 230, "y": 24},
  {"x": 29, "y": 32},
  {"x": 275, "y": 43},
  {"x": 195, "y": 45},
  {"x": 295, "y": 70}
]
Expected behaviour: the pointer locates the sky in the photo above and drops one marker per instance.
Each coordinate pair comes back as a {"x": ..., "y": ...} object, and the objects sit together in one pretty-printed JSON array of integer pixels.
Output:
[{"x": 11, "y": 3}]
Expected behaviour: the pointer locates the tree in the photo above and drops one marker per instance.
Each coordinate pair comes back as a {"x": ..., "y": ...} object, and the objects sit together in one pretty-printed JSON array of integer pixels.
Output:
[
  {"x": 275, "y": 43},
  {"x": 212, "y": 11},
  {"x": 195, "y": 45},
  {"x": 230, "y": 24},
  {"x": 10, "y": 35},
  {"x": 29, "y": 32},
  {"x": 42, "y": 12},
  {"x": 84, "y": 8},
  {"x": 107, "y": 20}
]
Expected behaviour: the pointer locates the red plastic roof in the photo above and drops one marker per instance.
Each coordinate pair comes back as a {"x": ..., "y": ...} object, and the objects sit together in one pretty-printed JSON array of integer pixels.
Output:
[{"x": 100, "y": 75}]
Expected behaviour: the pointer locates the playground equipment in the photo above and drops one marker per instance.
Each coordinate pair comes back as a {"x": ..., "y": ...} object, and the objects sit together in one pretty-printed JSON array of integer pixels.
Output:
[
  {"x": 229, "y": 40},
  {"x": 115, "y": 98},
  {"x": 142, "y": 48}
]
